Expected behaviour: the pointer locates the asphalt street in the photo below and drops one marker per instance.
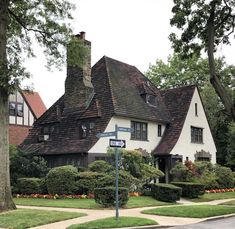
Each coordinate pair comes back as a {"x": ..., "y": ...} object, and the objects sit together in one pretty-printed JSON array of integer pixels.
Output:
[{"x": 225, "y": 223}]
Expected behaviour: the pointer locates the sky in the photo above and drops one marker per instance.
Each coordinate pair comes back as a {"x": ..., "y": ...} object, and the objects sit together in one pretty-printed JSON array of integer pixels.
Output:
[{"x": 132, "y": 31}]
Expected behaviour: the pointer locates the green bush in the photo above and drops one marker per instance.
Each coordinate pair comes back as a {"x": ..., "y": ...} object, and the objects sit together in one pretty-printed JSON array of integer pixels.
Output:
[
  {"x": 62, "y": 180},
  {"x": 224, "y": 176},
  {"x": 190, "y": 190},
  {"x": 100, "y": 166},
  {"x": 28, "y": 186},
  {"x": 126, "y": 180},
  {"x": 166, "y": 192},
  {"x": 209, "y": 179},
  {"x": 25, "y": 165},
  {"x": 203, "y": 167},
  {"x": 107, "y": 196},
  {"x": 87, "y": 182},
  {"x": 181, "y": 172}
]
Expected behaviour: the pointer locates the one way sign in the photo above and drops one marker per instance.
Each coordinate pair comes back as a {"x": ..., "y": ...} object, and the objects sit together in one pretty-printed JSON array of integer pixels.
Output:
[{"x": 117, "y": 143}]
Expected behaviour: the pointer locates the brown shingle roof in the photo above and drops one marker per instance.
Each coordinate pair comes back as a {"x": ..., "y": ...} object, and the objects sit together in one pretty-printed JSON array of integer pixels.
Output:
[
  {"x": 127, "y": 84},
  {"x": 118, "y": 90},
  {"x": 35, "y": 103},
  {"x": 177, "y": 101}
]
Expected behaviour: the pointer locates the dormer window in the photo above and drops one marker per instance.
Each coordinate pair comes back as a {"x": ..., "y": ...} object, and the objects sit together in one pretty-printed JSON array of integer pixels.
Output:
[{"x": 151, "y": 100}]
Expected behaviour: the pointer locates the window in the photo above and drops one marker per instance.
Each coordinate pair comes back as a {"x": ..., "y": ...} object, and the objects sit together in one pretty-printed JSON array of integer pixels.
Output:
[
  {"x": 159, "y": 130},
  {"x": 20, "y": 109},
  {"x": 12, "y": 108},
  {"x": 140, "y": 130},
  {"x": 16, "y": 109},
  {"x": 196, "y": 135},
  {"x": 196, "y": 113},
  {"x": 86, "y": 128}
]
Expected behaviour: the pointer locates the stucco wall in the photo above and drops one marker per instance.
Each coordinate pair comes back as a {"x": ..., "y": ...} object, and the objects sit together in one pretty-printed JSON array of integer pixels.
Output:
[
  {"x": 149, "y": 145},
  {"x": 184, "y": 146}
]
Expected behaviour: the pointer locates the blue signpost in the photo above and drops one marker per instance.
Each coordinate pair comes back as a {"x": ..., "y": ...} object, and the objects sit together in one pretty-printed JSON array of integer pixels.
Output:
[{"x": 116, "y": 143}]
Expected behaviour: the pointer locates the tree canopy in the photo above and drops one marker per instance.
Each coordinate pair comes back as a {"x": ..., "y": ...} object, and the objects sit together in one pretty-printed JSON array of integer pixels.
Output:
[
  {"x": 22, "y": 23},
  {"x": 204, "y": 25}
]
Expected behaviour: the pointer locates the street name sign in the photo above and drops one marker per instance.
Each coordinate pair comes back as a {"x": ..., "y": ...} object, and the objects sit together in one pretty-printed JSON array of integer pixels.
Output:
[
  {"x": 125, "y": 129},
  {"x": 106, "y": 134},
  {"x": 117, "y": 143}
]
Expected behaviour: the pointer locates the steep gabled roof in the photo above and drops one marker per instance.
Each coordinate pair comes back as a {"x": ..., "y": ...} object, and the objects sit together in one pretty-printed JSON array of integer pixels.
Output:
[
  {"x": 127, "y": 84},
  {"x": 35, "y": 102},
  {"x": 177, "y": 101}
]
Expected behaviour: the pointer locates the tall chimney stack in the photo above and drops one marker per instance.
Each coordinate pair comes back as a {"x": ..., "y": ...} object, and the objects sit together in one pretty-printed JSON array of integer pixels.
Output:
[{"x": 78, "y": 87}]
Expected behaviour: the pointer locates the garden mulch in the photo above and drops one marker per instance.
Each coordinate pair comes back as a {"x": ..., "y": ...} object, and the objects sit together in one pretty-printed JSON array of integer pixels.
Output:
[{"x": 135, "y": 212}]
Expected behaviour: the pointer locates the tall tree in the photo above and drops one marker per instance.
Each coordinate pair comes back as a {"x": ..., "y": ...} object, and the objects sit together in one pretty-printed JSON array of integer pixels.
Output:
[
  {"x": 177, "y": 72},
  {"x": 21, "y": 23},
  {"x": 204, "y": 25}
]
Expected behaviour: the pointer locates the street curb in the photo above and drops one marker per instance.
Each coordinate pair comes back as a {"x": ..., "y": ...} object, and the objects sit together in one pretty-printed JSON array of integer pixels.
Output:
[
  {"x": 147, "y": 227},
  {"x": 219, "y": 217}
]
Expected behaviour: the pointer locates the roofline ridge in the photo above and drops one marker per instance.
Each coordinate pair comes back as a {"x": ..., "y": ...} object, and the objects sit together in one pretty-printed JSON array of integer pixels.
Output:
[{"x": 109, "y": 82}]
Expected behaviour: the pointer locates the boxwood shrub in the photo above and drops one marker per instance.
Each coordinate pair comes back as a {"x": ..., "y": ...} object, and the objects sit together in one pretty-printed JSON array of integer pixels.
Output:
[
  {"x": 166, "y": 192},
  {"x": 190, "y": 190},
  {"x": 28, "y": 186},
  {"x": 107, "y": 196},
  {"x": 62, "y": 180}
]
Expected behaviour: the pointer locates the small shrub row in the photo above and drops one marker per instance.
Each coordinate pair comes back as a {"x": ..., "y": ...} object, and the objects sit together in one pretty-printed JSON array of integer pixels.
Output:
[
  {"x": 107, "y": 196},
  {"x": 190, "y": 190},
  {"x": 166, "y": 192}
]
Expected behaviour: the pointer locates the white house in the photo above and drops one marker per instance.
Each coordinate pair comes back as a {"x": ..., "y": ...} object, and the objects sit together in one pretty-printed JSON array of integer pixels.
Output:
[{"x": 170, "y": 124}]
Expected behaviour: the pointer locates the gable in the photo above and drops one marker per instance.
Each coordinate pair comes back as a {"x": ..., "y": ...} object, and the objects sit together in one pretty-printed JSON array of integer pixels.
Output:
[{"x": 184, "y": 145}]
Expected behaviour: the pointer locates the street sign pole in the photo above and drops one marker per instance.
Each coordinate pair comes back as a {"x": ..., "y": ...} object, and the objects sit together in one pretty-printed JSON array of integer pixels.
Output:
[
  {"x": 116, "y": 143},
  {"x": 116, "y": 163}
]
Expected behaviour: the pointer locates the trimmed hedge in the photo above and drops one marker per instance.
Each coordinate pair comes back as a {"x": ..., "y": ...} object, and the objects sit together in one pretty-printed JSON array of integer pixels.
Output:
[
  {"x": 191, "y": 190},
  {"x": 107, "y": 196},
  {"x": 166, "y": 192},
  {"x": 28, "y": 185},
  {"x": 62, "y": 180}
]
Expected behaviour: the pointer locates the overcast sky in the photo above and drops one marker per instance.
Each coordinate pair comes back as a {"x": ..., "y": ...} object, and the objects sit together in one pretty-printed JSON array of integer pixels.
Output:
[{"x": 132, "y": 31}]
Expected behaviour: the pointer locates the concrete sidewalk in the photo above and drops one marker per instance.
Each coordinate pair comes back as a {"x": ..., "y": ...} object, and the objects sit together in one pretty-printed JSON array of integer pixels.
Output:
[{"x": 135, "y": 212}]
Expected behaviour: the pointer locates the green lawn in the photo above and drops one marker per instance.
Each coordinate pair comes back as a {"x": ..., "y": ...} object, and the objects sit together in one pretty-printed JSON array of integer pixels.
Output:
[
  {"x": 193, "y": 211},
  {"x": 144, "y": 201},
  {"x": 134, "y": 202},
  {"x": 25, "y": 218},
  {"x": 214, "y": 196},
  {"x": 232, "y": 202},
  {"x": 111, "y": 223}
]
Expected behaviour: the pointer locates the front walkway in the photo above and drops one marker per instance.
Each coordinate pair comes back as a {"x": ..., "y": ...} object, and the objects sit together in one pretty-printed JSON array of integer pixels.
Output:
[{"x": 135, "y": 212}]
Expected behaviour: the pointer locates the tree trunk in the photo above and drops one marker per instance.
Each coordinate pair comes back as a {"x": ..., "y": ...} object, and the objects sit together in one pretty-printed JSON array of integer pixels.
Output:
[
  {"x": 215, "y": 81},
  {"x": 6, "y": 202}
]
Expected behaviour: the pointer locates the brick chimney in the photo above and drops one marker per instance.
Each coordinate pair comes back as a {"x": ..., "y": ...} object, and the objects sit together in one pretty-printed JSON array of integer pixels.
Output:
[{"x": 78, "y": 87}]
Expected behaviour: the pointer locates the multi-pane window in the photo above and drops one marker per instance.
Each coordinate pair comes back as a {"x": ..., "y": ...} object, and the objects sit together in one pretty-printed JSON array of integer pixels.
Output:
[
  {"x": 196, "y": 135},
  {"x": 139, "y": 130},
  {"x": 159, "y": 130},
  {"x": 16, "y": 109}
]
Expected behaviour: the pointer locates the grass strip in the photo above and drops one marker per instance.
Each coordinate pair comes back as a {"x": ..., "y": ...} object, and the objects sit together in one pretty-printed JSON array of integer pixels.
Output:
[
  {"x": 112, "y": 223},
  {"x": 214, "y": 196},
  {"x": 192, "y": 211},
  {"x": 232, "y": 202},
  {"x": 134, "y": 202},
  {"x": 26, "y": 218}
]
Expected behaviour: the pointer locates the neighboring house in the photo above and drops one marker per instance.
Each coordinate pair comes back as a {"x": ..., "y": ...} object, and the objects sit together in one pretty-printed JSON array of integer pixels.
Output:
[
  {"x": 24, "y": 109},
  {"x": 170, "y": 124}
]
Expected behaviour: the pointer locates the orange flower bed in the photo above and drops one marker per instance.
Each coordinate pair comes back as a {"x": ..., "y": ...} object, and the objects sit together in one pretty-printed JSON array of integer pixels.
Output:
[{"x": 220, "y": 190}]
